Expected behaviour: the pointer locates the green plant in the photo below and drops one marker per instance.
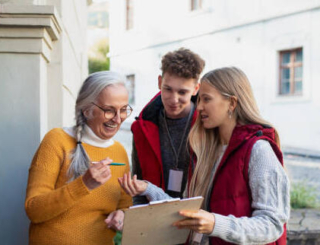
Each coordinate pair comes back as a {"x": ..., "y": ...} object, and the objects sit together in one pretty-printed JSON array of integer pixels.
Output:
[
  {"x": 117, "y": 238},
  {"x": 303, "y": 196},
  {"x": 97, "y": 65},
  {"x": 98, "y": 59}
]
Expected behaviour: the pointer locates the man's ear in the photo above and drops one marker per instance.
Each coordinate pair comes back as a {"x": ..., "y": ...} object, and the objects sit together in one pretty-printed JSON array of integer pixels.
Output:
[
  {"x": 159, "y": 81},
  {"x": 196, "y": 89}
]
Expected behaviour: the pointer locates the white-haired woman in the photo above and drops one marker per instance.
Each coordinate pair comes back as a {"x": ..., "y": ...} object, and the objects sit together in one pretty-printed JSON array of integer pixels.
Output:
[
  {"x": 239, "y": 168},
  {"x": 73, "y": 196}
]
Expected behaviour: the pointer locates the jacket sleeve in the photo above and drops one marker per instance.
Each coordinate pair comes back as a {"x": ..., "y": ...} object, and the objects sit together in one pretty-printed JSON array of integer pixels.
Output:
[
  {"x": 43, "y": 200},
  {"x": 136, "y": 169}
]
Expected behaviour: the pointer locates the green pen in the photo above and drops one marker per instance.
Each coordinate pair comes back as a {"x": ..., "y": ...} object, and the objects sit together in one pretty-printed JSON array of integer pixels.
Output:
[
  {"x": 113, "y": 164},
  {"x": 117, "y": 164}
]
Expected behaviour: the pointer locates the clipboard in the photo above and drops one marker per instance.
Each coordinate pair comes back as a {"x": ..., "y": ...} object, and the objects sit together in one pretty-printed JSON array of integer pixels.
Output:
[{"x": 152, "y": 223}]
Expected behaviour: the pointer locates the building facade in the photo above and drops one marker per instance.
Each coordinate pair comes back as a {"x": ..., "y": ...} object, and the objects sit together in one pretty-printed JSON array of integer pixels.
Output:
[
  {"x": 276, "y": 43},
  {"x": 42, "y": 65}
]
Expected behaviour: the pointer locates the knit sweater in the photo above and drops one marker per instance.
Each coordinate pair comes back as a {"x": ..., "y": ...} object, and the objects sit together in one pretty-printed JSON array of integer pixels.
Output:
[{"x": 68, "y": 213}]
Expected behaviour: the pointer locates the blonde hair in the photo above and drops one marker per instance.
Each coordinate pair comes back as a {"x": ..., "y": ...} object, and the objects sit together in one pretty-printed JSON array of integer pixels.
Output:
[{"x": 206, "y": 143}]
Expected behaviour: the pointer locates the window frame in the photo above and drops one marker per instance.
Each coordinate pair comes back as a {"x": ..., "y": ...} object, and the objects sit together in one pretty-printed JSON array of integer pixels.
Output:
[
  {"x": 129, "y": 15},
  {"x": 197, "y": 7},
  {"x": 131, "y": 86},
  {"x": 291, "y": 66}
]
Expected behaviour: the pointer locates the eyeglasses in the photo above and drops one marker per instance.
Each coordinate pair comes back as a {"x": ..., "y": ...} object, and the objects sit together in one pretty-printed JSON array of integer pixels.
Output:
[{"x": 110, "y": 112}]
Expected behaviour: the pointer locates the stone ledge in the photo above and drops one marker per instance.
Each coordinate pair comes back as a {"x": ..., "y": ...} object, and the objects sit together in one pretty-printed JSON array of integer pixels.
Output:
[
  {"x": 28, "y": 29},
  {"x": 304, "y": 227},
  {"x": 31, "y": 16},
  {"x": 303, "y": 237}
]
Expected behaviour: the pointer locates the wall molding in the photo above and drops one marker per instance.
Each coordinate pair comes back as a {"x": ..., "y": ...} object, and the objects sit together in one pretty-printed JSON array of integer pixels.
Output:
[{"x": 29, "y": 29}]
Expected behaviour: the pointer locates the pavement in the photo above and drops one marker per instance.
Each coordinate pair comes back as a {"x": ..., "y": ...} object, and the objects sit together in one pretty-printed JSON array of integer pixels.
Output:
[
  {"x": 305, "y": 170},
  {"x": 304, "y": 224}
]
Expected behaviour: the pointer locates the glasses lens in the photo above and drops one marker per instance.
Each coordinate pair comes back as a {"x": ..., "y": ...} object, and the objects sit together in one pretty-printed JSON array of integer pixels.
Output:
[
  {"x": 125, "y": 112},
  {"x": 109, "y": 113}
]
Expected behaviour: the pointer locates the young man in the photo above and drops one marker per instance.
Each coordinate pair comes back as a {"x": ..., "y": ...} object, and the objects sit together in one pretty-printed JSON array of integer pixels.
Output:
[{"x": 160, "y": 153}]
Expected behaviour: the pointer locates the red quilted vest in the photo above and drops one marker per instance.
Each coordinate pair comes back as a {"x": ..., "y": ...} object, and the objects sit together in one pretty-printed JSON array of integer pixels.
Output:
[{"x": 231, "y": 193}]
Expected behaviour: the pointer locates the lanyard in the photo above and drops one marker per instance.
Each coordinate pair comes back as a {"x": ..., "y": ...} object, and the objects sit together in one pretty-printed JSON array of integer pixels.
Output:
[{"x": 177, "y": 154}]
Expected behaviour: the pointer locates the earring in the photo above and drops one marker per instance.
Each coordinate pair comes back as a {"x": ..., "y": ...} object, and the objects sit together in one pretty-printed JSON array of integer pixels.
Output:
[{"x": 230, "y": 113}]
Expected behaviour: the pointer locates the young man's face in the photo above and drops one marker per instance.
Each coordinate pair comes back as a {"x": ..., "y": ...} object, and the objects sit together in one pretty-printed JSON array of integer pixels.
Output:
[{"x": 176, "y": 94}]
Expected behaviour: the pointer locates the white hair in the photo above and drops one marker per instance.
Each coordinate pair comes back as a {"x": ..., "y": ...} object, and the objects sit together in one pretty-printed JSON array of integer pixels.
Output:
[{"x": 89, "y": 92}]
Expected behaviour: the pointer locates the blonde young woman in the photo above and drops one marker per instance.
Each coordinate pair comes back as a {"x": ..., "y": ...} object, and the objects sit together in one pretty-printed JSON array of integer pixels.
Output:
[
  {"x": 239, "y": 168},
  {"x": 73, "y": 196}
]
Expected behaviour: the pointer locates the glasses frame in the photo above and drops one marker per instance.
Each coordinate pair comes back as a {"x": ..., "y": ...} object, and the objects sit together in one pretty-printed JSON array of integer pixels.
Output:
[{"x": 116, "y": 111}]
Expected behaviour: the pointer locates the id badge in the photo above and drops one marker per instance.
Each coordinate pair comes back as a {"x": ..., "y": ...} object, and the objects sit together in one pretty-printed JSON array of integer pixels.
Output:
[
  {"x": 175, "y": 180},
  {"x": 197, "y": 238}
]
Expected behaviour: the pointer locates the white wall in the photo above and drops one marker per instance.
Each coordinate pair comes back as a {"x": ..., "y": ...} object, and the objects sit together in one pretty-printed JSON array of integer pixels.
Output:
[
  {"x": 42, "y": 65},
  {"x": 248, "y": 34},
  {"x": 20, "y": 134}
]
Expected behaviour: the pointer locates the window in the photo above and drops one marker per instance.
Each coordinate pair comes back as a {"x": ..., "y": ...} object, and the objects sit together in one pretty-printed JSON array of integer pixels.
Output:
[
  {"x": 196, "y": 5},
  {"x": 291, "y": 73},
  {"x": 129, "y": 14},
  {"x": 131, "y": 88},
  {"x": 98, "y": 19}
]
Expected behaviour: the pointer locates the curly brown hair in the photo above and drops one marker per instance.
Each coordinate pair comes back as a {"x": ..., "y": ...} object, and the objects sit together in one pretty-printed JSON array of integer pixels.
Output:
[{"x": 182, "y": 63}]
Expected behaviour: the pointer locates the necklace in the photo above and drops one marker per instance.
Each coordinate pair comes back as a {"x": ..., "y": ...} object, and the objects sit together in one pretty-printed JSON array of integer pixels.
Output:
[{"x": 177, "y": 154}]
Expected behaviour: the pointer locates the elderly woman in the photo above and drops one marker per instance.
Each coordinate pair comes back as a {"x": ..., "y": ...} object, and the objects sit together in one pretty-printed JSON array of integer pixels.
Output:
[{"x": 73, "y": 196}]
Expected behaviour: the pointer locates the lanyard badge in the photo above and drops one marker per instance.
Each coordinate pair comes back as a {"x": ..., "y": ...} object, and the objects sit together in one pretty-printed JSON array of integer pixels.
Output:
[{"x": 175, "y": 180}]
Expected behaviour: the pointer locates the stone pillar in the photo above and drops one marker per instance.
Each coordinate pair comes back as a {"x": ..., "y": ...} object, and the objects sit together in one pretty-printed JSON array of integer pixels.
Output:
[{"x": 27, "y": 34}]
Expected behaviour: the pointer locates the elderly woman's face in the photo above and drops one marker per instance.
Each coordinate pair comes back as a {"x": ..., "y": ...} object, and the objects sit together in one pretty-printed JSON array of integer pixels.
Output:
[{"x": 112, "y": 97}]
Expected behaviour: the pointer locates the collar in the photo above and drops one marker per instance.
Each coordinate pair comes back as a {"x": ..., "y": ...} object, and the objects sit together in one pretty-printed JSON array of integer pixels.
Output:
[
  {"x": 152, "y": 110},
  {"x": 89, "y": 137}
]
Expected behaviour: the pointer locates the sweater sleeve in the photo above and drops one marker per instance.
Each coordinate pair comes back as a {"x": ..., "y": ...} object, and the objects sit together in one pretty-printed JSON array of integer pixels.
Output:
[
  {"x": 154, "y": 193},
  {"x": 43, "y": 200},
  {"x": 269, "y": 186}
]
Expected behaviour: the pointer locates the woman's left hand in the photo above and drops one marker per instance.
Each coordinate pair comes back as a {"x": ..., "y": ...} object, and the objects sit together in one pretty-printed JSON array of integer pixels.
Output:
[
  {"x": 200, "y": 221},
  {"x": 115, "y": 220}
]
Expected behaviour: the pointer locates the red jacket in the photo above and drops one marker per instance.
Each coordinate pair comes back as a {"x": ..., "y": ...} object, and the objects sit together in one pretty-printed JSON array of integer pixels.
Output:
[
  {"x": 147, "y": 142},
  {"x": 230, "y": 189}
]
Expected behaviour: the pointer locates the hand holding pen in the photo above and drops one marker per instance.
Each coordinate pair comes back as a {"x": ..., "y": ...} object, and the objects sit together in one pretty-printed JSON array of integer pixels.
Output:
[{"x": 97, "y": 174}]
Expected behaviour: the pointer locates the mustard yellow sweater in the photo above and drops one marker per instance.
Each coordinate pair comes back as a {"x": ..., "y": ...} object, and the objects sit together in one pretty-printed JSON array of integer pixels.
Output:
[{"x": 64, "y": 213}]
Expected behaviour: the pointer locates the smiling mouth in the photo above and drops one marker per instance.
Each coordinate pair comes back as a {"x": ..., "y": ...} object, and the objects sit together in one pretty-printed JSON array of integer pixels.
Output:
[
  {"x": 204, "y": 117},
  {"x": 110, "y": 125}
]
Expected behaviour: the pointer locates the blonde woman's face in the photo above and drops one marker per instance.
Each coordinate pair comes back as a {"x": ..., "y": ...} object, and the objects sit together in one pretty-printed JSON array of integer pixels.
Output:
[
  {"x": 212, "y": 106},
  {"x": 113, "y": 97}
]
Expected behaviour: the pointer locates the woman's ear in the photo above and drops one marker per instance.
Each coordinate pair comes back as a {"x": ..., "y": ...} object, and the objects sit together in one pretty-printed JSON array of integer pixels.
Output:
[
  {"x": 86, "y": 113},
  {"x": 233, "y": 103}
]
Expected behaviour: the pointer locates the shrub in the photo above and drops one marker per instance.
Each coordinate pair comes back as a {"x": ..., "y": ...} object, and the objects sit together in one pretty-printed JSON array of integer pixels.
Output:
[
  {"x": 303, "y": 196},
  {"x": 97, "y": 65},
  {"x": 98, "y": 57}
]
